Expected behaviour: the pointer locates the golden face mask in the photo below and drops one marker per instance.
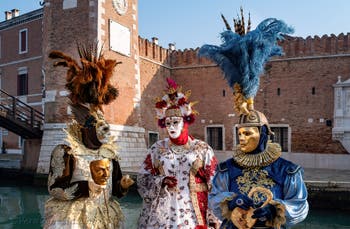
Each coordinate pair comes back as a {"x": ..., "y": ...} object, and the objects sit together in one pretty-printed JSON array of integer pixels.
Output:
[
  {"x": 100, "y": 171},
  {"x": 248, "y": 138}
]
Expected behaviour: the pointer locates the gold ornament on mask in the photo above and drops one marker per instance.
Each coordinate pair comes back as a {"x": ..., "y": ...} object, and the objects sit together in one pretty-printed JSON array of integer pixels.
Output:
[
  {"x": 254, "y": 118},
  {"x": 176, "y": 112}
]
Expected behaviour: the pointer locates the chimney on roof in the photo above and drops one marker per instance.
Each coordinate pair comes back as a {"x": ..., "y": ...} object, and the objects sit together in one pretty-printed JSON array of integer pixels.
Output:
[
  {"x": 8, "y": 15},
  {"x": 155, "y": 40},
  {"x": 15, "y": 12}
]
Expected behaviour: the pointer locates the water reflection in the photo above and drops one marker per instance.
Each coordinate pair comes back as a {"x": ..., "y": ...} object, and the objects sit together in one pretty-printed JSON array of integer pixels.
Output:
[{"x": 23, "y": 207}]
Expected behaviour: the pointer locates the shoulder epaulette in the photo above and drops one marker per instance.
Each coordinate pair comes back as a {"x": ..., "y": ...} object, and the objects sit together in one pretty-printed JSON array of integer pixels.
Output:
[
  {"x": 292, "y": 169},
  {"x": 222, "y": 167}
]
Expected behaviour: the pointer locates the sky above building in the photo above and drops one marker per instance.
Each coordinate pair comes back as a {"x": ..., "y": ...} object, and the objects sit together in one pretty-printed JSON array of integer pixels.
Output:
[{"x": 192, "y": 23}]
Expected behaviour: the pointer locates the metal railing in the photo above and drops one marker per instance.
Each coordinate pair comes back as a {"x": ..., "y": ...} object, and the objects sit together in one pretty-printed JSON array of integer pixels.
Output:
[{"x": 21, "y": 114}]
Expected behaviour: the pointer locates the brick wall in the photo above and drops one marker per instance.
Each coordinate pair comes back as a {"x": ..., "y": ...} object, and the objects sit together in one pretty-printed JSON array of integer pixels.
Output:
[
  {"x": 11, "y": 61},
  {"x": 313, "y": 62},
  {"x": 308, "y": 63}
]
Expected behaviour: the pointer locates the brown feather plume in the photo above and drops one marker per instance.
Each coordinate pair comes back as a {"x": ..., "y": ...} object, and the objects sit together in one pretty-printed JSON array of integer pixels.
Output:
[
  {"x": 239, "y": 24},
  {"x": 90, "y": 81},
  {"x": 228, "y": 27}
]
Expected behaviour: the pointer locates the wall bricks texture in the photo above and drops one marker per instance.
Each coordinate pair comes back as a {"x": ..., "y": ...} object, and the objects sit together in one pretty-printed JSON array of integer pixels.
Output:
[{"x": 312, "y": 62}]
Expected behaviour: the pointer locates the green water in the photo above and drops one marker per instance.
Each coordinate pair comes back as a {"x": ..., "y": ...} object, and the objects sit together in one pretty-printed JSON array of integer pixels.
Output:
[{"x": 22, "y": 207}]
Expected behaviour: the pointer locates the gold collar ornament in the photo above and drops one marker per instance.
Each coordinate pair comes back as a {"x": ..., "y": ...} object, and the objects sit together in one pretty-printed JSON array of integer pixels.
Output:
[{"x": 265, "y": 158}]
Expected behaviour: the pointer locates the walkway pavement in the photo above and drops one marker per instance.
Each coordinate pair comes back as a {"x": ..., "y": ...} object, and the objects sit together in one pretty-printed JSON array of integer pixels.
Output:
[
  {"x": 336, "y": 180},
  {"x": 328, "y": 178}
]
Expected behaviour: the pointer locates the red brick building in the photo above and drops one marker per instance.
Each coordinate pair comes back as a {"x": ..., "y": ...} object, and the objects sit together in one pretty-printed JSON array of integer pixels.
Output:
[
  {"x": 21, "y": 60},
  {"x": 297, "y": 91}
]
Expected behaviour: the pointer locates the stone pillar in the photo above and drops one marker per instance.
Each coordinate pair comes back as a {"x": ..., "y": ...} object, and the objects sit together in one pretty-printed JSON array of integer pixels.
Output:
[
  {"x": 66, "y": 22},
  {"x": 341, "y": 128},
  {"x": 129, "y": 140},
  {"x": 53, "y": 135},
  {"x": 31, "y": 157}
]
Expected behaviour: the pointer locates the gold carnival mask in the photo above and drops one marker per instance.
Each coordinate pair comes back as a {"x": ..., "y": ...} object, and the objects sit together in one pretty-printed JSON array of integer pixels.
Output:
[
  {"x": 100, "y": 171},
  {"x": 248, "y": 138}
]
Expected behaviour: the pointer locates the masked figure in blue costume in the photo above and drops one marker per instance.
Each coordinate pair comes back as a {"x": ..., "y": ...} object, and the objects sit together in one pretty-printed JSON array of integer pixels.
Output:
[
  {"x": 256, "y": 188},
  {"x": 257, "y": 163}
]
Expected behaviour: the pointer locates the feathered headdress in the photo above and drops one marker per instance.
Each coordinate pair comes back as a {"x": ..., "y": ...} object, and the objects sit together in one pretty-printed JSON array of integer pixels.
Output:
[
  {"x": 90, "y": 88},
  {"x": 174, "y": 103},
  {"x": 90, "y": 82},
  {"x": 242, "y": 56}
]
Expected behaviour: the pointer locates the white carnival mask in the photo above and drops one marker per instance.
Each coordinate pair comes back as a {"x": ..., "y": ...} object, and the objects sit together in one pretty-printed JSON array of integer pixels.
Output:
[
  {"x": 174, "y": 126},
  {"x": 103, "y": 131}
]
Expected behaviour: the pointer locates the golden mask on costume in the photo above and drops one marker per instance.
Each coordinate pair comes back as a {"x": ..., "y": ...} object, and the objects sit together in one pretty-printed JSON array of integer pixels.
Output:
[
  {"x": 100, "y": 171},
  {"x": 254, "y": 118},
  {"x": 248, "y": 138}
]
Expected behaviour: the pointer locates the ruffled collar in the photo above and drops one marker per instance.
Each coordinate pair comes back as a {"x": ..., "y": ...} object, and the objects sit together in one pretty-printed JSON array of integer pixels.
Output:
[
  {"x": 107, "y": 150},
  {"x": 265, "y": 158}
]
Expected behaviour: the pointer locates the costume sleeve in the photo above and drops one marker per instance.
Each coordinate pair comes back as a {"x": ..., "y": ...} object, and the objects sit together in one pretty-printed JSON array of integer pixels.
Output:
[
  {"x": 149, "y": 180},
  {"x": 295, "y": 198},
  {"x": 210, "y": 164},
  {"x": 117, "y": 189},
  {"x": 60, "y": 174},
  {"x": 220, "y": 194}
]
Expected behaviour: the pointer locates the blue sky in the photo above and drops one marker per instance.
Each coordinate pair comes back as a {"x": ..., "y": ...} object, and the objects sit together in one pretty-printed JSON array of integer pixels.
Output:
[{"x": 192, "y": 23}]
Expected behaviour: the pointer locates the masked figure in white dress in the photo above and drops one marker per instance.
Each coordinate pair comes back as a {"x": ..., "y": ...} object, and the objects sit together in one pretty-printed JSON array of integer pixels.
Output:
[{"x": 176, "y": 175}]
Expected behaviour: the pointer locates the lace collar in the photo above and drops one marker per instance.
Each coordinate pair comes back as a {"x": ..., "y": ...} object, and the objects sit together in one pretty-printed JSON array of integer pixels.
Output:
[
  {"x": 107, "y": 150},
  {"x": 180, "y": 149}
]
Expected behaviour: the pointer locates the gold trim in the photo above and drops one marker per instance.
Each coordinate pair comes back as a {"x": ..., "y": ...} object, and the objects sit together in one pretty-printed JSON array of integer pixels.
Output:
[
  {"x": 107, "y": 150},
  {"x": 225, "y": 212},
  {"x": 250, "y": 100},
  {"x": 158, "y": 165},
  {"x": 200, "y": 187},
  {"x": 280, "y": 218},
  {"x": 194, "y": 199},
  {"x": 173, "y": 112},
  {"x": 246, "y": 160}
]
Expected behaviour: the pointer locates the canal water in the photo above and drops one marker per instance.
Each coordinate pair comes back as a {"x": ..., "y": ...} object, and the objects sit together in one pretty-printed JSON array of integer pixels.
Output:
[{"x": 22, "y": 207}]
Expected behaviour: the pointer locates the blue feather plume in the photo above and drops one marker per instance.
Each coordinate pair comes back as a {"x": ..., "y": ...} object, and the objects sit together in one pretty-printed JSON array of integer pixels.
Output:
[{"x": 242, "y": 58}]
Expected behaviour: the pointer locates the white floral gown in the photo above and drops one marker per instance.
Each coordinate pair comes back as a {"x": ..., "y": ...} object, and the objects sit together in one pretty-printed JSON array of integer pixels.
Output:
[{"x": 186, "y": 205}]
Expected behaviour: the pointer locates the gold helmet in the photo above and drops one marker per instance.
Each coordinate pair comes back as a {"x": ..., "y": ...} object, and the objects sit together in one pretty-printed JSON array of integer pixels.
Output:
[{"x": 254, "y": 118}]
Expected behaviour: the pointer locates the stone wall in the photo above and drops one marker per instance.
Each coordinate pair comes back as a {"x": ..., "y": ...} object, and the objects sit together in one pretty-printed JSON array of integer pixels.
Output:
[{"x": 130, "y": 142}]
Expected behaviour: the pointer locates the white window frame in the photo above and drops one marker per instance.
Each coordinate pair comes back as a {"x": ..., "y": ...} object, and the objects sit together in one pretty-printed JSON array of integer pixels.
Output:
[
  {"x": 19, "y": 141},
  {"x": 20, "y": 41},
  {"x": 271, "y": 125},
  {"x": 223, "y": 135},
  {"x": 4, "y": 132},
  {"x": 289, "y": 143},
  {"x": 152, "y": 132},
  {"x": 22, "y": 71}
]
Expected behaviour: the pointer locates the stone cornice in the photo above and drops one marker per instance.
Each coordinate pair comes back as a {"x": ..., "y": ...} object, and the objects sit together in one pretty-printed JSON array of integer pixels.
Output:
[{"x": 25, "y": 18}]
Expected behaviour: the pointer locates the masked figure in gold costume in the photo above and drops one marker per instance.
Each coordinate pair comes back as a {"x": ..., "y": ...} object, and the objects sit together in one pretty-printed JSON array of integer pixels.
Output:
[
  {"x": 256, "y": 188},
  {"x": 85, "y": 174}
]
